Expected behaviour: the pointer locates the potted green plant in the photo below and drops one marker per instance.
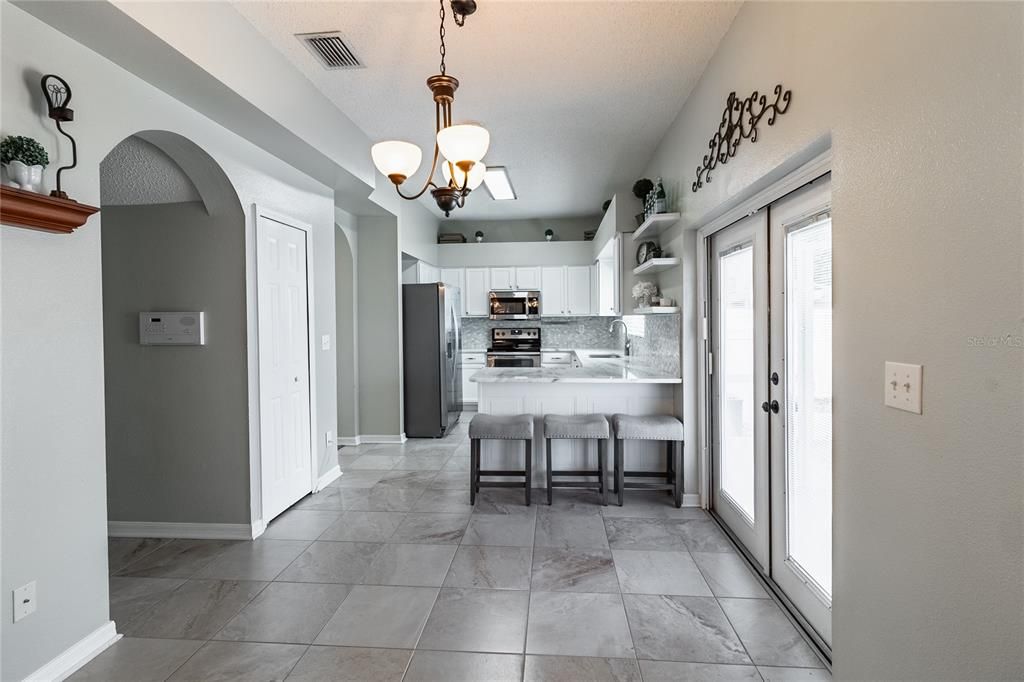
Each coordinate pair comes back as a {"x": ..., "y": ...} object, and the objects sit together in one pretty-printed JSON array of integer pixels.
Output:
[
  {"x": 641, "y": 188},
  {"x": 24, "y": 159}
]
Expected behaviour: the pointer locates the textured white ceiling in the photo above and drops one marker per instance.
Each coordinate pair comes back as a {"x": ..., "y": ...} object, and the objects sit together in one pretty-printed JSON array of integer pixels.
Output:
[
  {"x": 576, "y": 95},
  {"x": 137, "y": 172}
]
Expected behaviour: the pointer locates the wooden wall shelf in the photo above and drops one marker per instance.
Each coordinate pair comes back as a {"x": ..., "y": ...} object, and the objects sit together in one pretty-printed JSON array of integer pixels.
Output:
[{"x": 21, "y": 208}]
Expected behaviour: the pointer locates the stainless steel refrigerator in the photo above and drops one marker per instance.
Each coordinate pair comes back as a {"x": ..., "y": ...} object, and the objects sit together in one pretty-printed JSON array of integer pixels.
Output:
[{"x": 432, "y": 350}]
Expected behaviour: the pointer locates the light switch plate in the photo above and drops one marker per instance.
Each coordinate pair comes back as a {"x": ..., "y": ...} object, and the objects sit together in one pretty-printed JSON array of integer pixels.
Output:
[
  {"x": 325, "y": 342},
  {"x": 903, "y": 386},
  {"x": 24, "y": 601}
]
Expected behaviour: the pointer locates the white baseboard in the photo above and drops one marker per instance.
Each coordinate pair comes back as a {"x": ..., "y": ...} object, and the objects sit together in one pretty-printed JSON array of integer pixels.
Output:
[
  {"x": 348, "y": 440},
  {"x": 193, "y": 531},
  {"x": 77, "y": 655},
  {"x": 386, "y": 438},
  {"x": 327, "y": 478},
  {"x": 258, "y": 527},
  {"x": 691, "y": 499}
]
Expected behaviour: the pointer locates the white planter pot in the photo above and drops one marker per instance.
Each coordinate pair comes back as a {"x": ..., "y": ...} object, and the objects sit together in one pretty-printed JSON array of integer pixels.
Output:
[{"x": 25, "y": 177}]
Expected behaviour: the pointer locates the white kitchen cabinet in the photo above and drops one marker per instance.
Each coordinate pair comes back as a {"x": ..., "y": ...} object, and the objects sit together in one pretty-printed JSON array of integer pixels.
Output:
[
  {"x": 577, "y": 290},
  {"x": 456, "y": 277},
  {"x": 503, "y": 278},
  {"x": 471, "y": 362},
  {"x": 595, "y": 289},
  {"x": 427, "y": 273},
  {"x": 528, "y": 278},
  {"x": 608, "y": 279},
  {"x": 478, "y": 285},
  {"x": 552, "y": 290}
]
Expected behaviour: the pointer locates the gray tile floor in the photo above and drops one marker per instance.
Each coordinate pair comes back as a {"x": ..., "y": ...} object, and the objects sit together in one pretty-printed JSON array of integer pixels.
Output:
[{"x": 389, "y": 574}]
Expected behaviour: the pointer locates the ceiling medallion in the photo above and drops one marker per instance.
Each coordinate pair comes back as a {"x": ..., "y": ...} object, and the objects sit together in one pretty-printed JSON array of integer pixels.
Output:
[
  {"x": 739, "y": 122},
  {"x": 462, "y": 145}
]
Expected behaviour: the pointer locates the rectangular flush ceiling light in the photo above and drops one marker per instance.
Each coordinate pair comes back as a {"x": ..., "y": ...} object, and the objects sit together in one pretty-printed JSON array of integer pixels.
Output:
[{"x": 498, "y": 184}]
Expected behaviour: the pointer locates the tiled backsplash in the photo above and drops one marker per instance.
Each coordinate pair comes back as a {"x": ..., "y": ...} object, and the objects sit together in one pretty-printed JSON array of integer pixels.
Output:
[
  {"x": 555, "y": 332},
  {"x": 654, "y": 338}
]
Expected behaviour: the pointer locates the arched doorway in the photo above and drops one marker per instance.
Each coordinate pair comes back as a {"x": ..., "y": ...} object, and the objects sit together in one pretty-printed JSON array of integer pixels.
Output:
[{"x": 173, "y": 240}]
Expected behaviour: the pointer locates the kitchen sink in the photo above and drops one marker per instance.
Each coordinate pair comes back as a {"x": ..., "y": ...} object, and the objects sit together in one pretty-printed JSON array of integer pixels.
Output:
[{"x": 605, "y": 355}]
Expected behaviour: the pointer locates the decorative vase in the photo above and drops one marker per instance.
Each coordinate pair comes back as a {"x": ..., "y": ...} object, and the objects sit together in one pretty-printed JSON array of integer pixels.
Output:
[
  {"x": 25, "y": 177},
  {"x": 643, "y": 301}
]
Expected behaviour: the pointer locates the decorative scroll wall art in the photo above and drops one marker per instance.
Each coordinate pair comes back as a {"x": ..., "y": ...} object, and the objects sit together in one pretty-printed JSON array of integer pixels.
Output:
[{"x": 739, "y": 122}]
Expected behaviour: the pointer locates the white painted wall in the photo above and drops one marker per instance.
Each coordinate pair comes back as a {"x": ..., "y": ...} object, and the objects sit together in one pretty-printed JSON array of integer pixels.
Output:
[
  {"x": 52, "y": 394},
  {"x": 514, "y": 253},
  {"x": 526, "y": 230},
  {"x": 923, "y": 103}
]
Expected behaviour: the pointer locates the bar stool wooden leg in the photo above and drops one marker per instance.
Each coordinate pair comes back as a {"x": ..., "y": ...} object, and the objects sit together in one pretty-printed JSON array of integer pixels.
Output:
[
  {"x": 474, "y": 469},
  {"x": 529, "y": 470},
  {"x": 678, "y": 464},
  {"x": 602, "y": 456},
  {"x": 620, "y": 471},
  {"x": 547, "y": 450}
]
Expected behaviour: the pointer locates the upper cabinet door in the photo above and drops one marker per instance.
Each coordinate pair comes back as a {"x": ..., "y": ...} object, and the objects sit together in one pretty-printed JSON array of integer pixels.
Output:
[
  {"x": 503, "y": 278},
  {"x": 428, "y": 274},
  {"x": 528, "y": 278},
  {"x": 456, "y": 277},
  {"x": 552, "y": 290},
  {"x": 478, "y": 285},
  {"x": 577, "y": 290}
]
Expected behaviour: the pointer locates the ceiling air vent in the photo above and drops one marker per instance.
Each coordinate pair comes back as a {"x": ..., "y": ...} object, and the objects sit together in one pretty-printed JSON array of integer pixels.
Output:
[{"x": 330, "y": 49}]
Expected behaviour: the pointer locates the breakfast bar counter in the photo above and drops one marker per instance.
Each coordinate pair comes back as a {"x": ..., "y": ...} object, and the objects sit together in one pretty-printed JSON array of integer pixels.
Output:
[{"x": 599, "y": 385}]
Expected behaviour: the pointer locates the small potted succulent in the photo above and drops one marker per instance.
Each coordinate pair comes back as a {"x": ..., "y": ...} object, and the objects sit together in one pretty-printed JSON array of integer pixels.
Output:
[{"x": 24, "y": 159}]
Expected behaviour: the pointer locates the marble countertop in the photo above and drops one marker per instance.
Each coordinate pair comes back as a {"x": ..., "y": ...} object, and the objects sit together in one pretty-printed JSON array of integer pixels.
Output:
[{"x": 593, "y": 371}]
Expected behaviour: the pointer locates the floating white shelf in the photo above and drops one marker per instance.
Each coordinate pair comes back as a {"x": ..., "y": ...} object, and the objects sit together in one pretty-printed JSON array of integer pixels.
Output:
[
  {"x": 656, "y": 265},
  {"x": 655, "y": 225},
  {"x": 656, "y": 309}
]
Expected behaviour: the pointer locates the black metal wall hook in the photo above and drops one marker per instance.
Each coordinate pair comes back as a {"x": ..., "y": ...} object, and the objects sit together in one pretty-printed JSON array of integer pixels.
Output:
[
  {"x": 739, "y": 122},
  {"x": 58, "y": 95}
]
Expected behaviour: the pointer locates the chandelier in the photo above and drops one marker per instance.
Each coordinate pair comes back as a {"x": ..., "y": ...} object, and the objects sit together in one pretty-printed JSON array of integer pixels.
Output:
[{"x": 462, "y": 145}]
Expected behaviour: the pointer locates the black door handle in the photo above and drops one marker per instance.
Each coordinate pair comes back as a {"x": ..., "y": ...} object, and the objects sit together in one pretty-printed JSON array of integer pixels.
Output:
[{"x": 774, "y": 407}]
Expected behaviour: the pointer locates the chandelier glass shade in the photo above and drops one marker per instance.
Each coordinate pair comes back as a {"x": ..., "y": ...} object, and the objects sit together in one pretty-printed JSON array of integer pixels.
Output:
[
  {"x": 476, "y": 175},
  {"x": 395, "y": 158},
  {"x": 462, "y": 146}
]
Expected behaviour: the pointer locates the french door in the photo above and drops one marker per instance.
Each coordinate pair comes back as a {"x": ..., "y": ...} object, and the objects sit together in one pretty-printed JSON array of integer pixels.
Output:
[{"x": 771, "y": 394}]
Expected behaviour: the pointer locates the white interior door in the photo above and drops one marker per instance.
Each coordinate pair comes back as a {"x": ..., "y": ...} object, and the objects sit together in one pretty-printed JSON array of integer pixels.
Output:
[
  {"x": 285, "y": 434},
  {"x": 738, "y": 271},
  {"x": 801, "y": 459}
]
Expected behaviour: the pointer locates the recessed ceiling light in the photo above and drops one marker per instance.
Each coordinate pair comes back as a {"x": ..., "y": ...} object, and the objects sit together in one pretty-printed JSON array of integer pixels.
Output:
[{"x": 498, "y": 184}]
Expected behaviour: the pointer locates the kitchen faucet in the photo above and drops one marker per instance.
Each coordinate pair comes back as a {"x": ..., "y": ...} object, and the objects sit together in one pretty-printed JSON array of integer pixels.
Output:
[{"x": 625, "y": 334}]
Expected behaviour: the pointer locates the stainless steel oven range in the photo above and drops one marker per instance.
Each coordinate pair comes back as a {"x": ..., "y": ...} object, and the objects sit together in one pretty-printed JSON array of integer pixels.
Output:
[{"x": 514, "y": 347}]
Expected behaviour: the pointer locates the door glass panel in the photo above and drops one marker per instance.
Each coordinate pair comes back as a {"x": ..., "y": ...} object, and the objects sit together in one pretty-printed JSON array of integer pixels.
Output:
[
  {"x": 809, "y": 402},
  {"x": 736, "y": 367}
]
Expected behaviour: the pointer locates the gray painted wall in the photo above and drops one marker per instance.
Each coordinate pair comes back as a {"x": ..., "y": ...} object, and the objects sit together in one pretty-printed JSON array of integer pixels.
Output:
[
  {"x": 177, "y": 417},
  {"x": 532, "y": 230},
  {"x": 346, "y": 249},
  {"x": 927, "y": 216},
  {"x": 380, "y": 333},
  {"x": 51, "y": 317}
]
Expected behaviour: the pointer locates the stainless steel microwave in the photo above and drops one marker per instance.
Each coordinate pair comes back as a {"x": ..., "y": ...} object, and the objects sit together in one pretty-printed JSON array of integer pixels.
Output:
[{"x": 514, "y": 305}]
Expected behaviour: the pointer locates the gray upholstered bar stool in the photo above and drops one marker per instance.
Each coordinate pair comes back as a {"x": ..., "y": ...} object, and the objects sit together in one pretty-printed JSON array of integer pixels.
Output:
[
  {"x": 579, "y": 426},
  {"x": 659, "y": 428},
  {"x": 499, "y": 427}
]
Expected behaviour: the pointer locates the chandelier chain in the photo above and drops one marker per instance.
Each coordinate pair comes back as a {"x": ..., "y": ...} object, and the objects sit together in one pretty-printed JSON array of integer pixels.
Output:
[{"x": 441, "y": 31}]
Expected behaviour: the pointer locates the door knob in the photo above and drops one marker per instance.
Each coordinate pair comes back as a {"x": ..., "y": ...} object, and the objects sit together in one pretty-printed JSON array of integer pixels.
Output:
[{"x": 774, "y": 406}]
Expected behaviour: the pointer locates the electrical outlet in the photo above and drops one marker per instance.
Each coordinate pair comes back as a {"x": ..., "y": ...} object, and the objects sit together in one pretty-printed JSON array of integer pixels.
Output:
[
  {"x": 325, "y": 342},
  {"x": 903, "y": 386},
  {"x": 24, "y": 601}
]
